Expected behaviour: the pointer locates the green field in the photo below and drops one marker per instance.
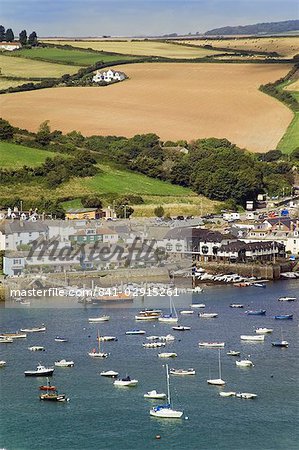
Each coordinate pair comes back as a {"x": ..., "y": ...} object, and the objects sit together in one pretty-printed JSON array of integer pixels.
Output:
[
  {"x": 72, "y": 57},
  {"x": 14, "y": 156},
  {"x": 290, "y": 139}
]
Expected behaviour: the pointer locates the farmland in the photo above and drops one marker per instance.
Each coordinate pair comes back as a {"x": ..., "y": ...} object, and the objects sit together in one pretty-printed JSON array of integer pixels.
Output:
[
  {"x": 145, "y": 48},
  {"x": 284, "y": 46},
  {"x": 26, "y": 68},
  {"x": 72, "y": 57},
  {"x": 173, "y": 100},
  {"x": 15, "y": 156}
]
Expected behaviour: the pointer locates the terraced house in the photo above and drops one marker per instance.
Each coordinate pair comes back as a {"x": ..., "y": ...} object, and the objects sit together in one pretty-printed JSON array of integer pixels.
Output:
[{"x": 92, "y": 235}]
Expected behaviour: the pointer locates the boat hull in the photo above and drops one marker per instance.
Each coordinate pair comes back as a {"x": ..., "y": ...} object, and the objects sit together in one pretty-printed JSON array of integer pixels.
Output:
[
  {"x": 46, "y": 373},
  {"x": 166, "y": 413}
]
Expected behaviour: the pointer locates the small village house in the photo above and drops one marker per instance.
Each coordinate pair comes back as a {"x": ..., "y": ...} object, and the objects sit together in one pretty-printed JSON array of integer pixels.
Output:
[{"x": 108, "y": 76}]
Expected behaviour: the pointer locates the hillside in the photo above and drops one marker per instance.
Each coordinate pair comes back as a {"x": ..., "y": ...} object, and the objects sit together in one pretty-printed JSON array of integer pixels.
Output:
[{"x": 258, "y": 28}]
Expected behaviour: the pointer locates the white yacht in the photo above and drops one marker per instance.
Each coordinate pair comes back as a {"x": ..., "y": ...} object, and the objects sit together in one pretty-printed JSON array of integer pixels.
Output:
[
  {"x": 172, "y": 317},
  {"x": 34, "y": 329},
  {"x": 263, "y": 330},
  {"x": 64, "y": 363},
  {"x": 259, "y": 338},
  {"x": 182, "y": 372},
  {"x": 244, "y": 363},
  {"x": 125, "y": 382},
  {"x": 211, "y": 344},
  {"x": 41, "y": 371},
  {"x": 155, "y": 395},
  {"x": 109, "y": 373},
  {"x": 96, "y": 353},
  {"x": 217, "y": 381},
  {"x": 167, "y": 355},
  {"x": 134, "y": 332},
  {"x": 207, "y": 315},
  {"x": 36, "y": 348},
  {"x": 98, "y": 319},
  {"x": 227, "y": 394},
  {"x": 166, "y": 411},
  {"x": 197, "y": 305},
  {"x": 246, "y": 395}
]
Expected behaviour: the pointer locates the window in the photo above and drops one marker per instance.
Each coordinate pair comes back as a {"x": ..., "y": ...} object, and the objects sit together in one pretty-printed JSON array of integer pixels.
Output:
[{"x": 17, "y": 261}]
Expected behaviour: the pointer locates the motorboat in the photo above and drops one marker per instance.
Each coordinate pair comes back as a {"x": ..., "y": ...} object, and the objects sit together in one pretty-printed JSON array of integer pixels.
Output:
[
  {"x": 107, "y": 338},
  {"x": 244, "y": 363},
  {"x": 16, "y": 335},
  {"x": 155, "y": 395},
  {"x": 166, "y": 411},
  {"x": 152, "y": 338},
  {"x": 187, "y": 311},
  {"x": 246, "y": 395},
  {"x": 236, "y": 305},
  {"x": 287, "y": 299},
  {"x": 207, "y": 315},
  {"x": 154, "y": 344},
  {"x": 6, "y": 340},
  {"x": 64, "y": 363},
  {"x": 284, "y": 317},
  {"x": 233, "y": 353},
  {"x": 109, "y": 374},
  {"x": 147, "y": 316},
  {"x": 197, "y": 305},
  {"x": 181, "y": 328},
  {"x": 227, "y": 394},
  {"x": 280, "y": 344},
  {"x": 41, "y": 371},
  {"x": 2, "y": 363},
  {"x": 135, "y": 332},
  {"x": 167, "y": 355},
  {"x": 98, "y": 319},
  {"x": 260, "y": 285},
  {"x": 172, "y": 317},
  {"x": 96, "y": 353},
  {"x": 125, "y": 382},
  {"x": 217, "y": 381},
  {"x": 259, "y": 312},
  {"x": 182, "y": 372},
  {"x": 34, "y": 329},
  {"x": 211, "y": 344},
  {"x": 167, "y": 338},
  {"x": 60, "y": 339},
  {"x": 36, "y": 348},
  {"x": 151, "y": 311},
  {"x": 47, "y": 387},
  {"x": 54, "y": 397},
  {"x": 263, "y": 330},
  {"x": 254, "y": 338}
]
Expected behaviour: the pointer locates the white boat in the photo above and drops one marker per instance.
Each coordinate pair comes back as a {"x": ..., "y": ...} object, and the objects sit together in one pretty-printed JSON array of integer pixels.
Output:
[
  {"x": 187, "y": 311},
  {"x": 207, "y": 315},
  {"x": 125, "y": 382},
  {"x": 167, "y": 355},
  {"x": 41, "y": 371},
  {"x": 2, "y": 363},
  {"x": 172, "y": 317},
  {"x": 154, "y": 344},
  {"x": 259, "y": 338},
  {"x": 24, "y": 303},
  {"x": 64, "y": 363},
  {"x": 263, "y": 330},
  {"x": 197, "y": 290},
  {"x": 182, "y": 372},
  {"x": 6, "y": 340},
  {"x": 233, "y": 353},
  {"x": 244, "y": 363},
  {"x": 97, "y": 353},
  {"x": 287, "y": 299},
  {"x": 107, "y": 338},
  {"x": 246, "y": 395},
  {"x": 152, "y": 338},
  {"x": 227, "y": 394},
  {"x": 147, "y": 316},
  {"x": 135, "y": 332},
  {"x": 197, "y": 305},
  {"x": 166, "y": 411},
  {"x": 98, "y": 319},
  {"x": 36, "y": 348},
  {"x": 236, "y": 305},
  {"x": 34, "y": 329},
  {"x": 155, "y": 395},
  {"x": 211, "y": 344},
  {"x": 167, "y": 338},
  {"x": 109, "y": 374},
  {"x": 60, "y": 339},
  {"x": 16, "y": 335},
  {"x": 217, "y": 381},
  {"x": 181, "y": 328}
]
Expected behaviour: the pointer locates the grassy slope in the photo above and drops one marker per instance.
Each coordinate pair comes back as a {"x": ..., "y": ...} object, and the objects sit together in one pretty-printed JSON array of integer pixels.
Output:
[
  {"x": 290, "y": 140},
  {"x": 76, "y": 57},
  {"x": 26, "y": 68},
  {"x": 145, "y": 48},
  {"x": 16, "y": 156}
]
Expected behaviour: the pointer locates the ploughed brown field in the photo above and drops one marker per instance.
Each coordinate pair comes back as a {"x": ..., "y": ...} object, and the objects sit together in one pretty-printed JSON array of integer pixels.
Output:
[{"x": 175, "y": 101}]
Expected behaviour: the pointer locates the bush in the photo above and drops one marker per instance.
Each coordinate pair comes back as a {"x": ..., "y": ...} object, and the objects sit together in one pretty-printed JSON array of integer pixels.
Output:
[{"x": 91, "y": 202}]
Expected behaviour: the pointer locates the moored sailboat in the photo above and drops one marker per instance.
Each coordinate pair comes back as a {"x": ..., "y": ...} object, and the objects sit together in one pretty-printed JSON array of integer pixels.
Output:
[{"x": 217, "y": 381}]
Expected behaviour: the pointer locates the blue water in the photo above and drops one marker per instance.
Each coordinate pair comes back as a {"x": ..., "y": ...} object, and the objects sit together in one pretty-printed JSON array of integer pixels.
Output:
[{"x": 100, "y": 416}]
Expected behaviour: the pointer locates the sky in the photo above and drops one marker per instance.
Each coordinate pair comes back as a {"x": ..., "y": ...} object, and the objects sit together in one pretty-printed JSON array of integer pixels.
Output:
[{"x": 138, "y": 17}]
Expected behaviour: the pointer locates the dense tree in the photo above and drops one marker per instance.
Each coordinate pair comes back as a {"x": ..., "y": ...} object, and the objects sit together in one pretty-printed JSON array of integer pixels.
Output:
[
  {"x": 9, "y": 36},
  {"x": 159, "y": 211},
  {"x": 2, "y": 33},
  {"x": 43, "y": 136},
  {"x": 32, "y": 39},
  {"x": 6, "y": 130},
  {"x": 91, "y": 202},
  {"x": 23, "y": 37},
  {"x": 123, "y": 211}
]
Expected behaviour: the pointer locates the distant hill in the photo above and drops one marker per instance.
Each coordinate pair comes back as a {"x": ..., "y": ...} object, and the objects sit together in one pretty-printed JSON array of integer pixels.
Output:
[{"x": 258, "y": 28}]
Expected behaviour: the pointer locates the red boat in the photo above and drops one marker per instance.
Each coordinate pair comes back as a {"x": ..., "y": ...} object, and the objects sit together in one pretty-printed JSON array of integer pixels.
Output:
[{"x": 47, "y": 388}]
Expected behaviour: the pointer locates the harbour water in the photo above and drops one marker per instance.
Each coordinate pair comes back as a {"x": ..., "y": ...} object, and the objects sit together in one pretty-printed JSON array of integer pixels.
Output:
[{"x": 101, "y": 416}]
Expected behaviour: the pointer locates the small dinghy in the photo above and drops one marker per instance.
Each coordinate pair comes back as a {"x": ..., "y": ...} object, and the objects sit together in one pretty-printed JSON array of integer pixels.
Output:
[
  {"x": 60, "y": 339},
  {"x": 167, "y": 355},
  {"x": 263, "y": 330},
  {"x": 284, "y": 317},
  {"x": 280, "y": 344},
  {"x": 182, "y": 371},
  {"x": 181, "y": 328},
  {"x": 227, "y": 394},
  {"x": 208, "y": 315},
  {"x": 187, "y": 311},
  {"x": 233, "y": 353},
  {"x": 98, "y": 319},
  {"x": 135, "y": 332},
  {"x": 259, "y": 312}
]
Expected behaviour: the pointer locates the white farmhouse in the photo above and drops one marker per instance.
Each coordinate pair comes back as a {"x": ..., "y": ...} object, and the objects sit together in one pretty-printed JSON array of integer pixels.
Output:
[
  {"x": 108, "y": 76},
  {"x": 10, "y": 46}
]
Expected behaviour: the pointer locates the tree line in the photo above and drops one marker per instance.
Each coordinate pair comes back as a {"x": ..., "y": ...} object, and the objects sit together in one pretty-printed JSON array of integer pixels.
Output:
[{"x": 9, "y": 36}]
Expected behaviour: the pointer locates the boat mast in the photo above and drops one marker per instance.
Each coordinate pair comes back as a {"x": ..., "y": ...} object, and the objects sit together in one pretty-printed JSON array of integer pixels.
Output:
[
  {"x": 168, "y": 384},
  {"x": 219, "y": 362},
  {"x": 99, "y": 342}
]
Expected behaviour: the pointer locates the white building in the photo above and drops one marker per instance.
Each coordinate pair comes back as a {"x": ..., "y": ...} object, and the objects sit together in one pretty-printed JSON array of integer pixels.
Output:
[
  {"x": 108, "y": 76},
  {"x": 10, "y": 46}
]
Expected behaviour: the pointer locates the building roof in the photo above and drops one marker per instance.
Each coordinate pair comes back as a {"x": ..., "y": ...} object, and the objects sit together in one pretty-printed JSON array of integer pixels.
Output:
[
  {"x": 249, "y": 246},
  {"x": 98, "y": 232},
  {"x": 80, "y": 211},
  {"x": 23, "y": 226}
]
